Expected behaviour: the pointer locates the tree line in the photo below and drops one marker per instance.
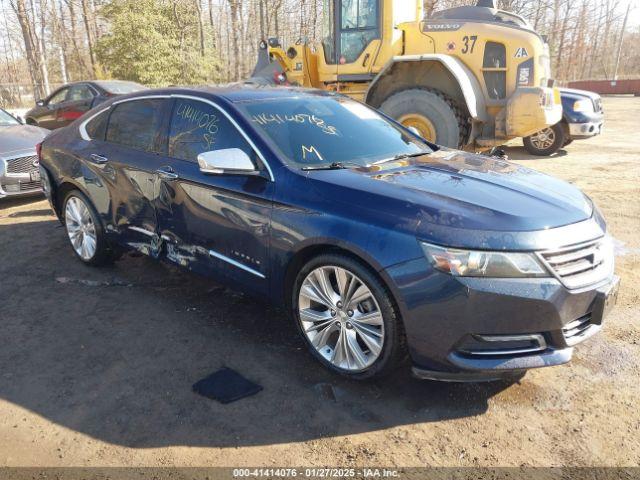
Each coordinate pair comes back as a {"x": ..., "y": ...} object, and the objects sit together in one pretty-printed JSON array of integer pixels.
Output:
[{"x": 45, "y": 43}]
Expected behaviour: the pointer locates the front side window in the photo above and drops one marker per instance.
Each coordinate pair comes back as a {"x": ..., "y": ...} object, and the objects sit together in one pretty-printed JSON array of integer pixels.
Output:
[
  {"x": 494, "y": 68},
  {"x": 80, "y": 92},
  {"x": 198, "y": 127},
  {"x": 59, "y": 97},
  {"x": 319, "y": 131},
  {"x": 136, "y": 124}
]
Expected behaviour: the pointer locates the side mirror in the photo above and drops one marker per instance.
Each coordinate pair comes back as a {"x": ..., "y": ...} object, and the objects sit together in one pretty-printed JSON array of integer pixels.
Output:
[
  {"x": 40, "y": 103},
  {"x": 232, "y": 161}
]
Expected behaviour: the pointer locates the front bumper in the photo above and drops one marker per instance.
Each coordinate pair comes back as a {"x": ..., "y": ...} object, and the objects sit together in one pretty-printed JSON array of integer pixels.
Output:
[
  {"x": 585, "y": 130},
  {"x": 448, "y": 319}
]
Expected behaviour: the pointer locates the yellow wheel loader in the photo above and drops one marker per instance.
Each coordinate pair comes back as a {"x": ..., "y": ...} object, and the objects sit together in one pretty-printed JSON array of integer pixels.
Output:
[{"x": 472, "y": 77}]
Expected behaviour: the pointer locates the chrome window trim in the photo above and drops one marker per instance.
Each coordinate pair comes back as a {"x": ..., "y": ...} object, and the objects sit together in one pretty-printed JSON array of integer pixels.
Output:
[
  {"x": 224, "y": 258},
  {"x": 83, "y": 126},
  {"x": 234, "y": 123},
  {"x": 85, "y": 136}
]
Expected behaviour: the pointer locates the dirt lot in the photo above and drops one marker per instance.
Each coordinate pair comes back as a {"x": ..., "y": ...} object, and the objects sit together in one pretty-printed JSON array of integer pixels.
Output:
[{"x": 96, "y": 366}]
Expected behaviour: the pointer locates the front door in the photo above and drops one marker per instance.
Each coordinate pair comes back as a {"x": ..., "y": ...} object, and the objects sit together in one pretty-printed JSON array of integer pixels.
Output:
[
  {"x": 48, "y": 114},
  {"x": 216, "y": 224},
  {"x": 79, "y": 101}
]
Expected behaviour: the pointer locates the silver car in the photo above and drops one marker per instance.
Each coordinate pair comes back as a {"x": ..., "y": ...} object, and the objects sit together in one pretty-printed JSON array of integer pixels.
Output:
[{"x": 19, "y": 173}]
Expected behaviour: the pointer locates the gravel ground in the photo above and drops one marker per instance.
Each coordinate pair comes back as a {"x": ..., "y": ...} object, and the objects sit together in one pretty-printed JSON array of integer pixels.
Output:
[{"x": 96, "y": 365}]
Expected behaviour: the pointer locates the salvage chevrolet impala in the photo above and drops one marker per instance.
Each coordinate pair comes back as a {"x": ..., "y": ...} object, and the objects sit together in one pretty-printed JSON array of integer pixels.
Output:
[{"x": 379, "y": 245}]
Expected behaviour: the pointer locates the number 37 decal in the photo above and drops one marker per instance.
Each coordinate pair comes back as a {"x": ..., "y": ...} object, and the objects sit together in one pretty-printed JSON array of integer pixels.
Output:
[{"x": 469, "y": 43}]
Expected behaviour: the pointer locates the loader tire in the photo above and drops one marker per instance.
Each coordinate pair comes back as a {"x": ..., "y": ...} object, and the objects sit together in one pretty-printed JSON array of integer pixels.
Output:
[{"x": 436, "y": 116}]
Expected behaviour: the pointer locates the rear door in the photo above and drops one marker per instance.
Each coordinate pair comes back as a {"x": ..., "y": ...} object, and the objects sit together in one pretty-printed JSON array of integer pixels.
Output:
[
  {"x": 77, "y": 102},
  {"x": 127, "y": 160},
  {"x": 215, "y": 224}
]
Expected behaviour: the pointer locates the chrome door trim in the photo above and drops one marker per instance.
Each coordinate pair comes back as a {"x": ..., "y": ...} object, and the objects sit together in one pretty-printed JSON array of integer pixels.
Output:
[
  {"x": 224, "y": 258},
  {"x": 234, "y": 123}
]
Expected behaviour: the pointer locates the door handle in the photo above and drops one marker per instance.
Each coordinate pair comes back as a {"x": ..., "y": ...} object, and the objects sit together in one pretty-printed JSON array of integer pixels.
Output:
[
  {"x": 98, "y": 159},
  {"x": 167, "y": 173}
]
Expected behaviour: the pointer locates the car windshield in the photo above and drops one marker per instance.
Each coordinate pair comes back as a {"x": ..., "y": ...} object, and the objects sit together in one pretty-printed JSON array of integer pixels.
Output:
[
  {"x": 320, "y": 131},
  {"x": 120, "y": 88},
  {"x": 6, "y": 119}
]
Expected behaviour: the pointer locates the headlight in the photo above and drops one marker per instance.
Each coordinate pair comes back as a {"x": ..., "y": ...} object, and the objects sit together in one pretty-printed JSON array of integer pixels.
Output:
[
  {"x": 479, "y": 263},
  {"x": 583, "y": 106}
]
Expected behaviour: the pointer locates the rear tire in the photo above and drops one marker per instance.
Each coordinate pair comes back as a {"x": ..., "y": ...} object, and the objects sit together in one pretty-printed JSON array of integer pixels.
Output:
[
  {"x": 547, "y": 141},
  {"x": 85, "y": 232},
  {"x": 356, "y": 333},
  {"x": 436, "y": 116}
]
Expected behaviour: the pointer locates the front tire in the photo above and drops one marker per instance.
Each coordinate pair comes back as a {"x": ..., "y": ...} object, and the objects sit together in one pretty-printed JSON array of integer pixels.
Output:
[
  {"x": 547, "y": 141},
  {"x": 347, "y": 317},
  {"x": 85, "y": 232},
  {"x": 437, "y": 117}
]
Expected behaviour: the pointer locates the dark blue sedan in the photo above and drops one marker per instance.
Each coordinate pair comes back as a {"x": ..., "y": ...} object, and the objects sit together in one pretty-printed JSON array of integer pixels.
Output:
[{"x": 380, "y": 246}]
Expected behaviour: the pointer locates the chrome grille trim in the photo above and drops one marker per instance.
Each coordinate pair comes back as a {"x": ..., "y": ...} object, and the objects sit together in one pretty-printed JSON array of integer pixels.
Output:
[
  {"x": 582, "y": 264},
  {"x": 21, "y": 164}
]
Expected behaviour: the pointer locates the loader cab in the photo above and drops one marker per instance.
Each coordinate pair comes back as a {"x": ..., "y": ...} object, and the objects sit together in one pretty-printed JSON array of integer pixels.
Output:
[{"x": 350, "y": 27}]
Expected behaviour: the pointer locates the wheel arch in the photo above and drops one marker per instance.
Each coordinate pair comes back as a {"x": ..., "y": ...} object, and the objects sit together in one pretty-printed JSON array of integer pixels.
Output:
[
  {"x": 435, "y": 71},
  {"x": 61, "y": 190},
  {"x": 316, "y": 247}
]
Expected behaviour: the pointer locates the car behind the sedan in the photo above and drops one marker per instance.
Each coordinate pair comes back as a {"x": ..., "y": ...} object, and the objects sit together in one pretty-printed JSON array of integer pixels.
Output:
[
  {"x": 379, "y": 245},
  {"x": 73, "y": 100}
]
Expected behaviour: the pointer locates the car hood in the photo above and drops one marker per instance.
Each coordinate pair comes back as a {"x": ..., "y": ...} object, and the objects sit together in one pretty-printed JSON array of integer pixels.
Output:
[
  {"x": 578, "y": 94},
  {"x": 20, "y": 137},
  {"x": 454, "y": 189}
]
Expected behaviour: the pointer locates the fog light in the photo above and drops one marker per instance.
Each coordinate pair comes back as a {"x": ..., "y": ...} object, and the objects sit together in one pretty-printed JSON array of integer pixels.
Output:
[{"x": 502, "y": 345}]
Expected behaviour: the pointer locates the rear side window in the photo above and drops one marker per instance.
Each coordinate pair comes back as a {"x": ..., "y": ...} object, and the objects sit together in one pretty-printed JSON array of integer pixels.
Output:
[
  {"x": 80, "y": 92},
  {"x": 97, "y": 126},
  {"x": 198, "y": 127},
  {"x": 136, "y": 124}
]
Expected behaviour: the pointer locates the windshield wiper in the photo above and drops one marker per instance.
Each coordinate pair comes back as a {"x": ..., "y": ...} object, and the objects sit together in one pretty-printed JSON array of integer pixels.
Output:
[
  {"x": 402, "y": 156},
  {"x": 335, "y": 166}
]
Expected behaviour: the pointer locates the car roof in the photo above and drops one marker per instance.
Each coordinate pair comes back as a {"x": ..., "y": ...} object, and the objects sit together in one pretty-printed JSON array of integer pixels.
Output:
[{"x": 236, "y": 92}]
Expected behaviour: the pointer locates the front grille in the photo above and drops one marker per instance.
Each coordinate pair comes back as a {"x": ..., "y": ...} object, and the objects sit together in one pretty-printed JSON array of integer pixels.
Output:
[
  {"x": 581, "y": 265},
  {"x": 22, "y": 164}
]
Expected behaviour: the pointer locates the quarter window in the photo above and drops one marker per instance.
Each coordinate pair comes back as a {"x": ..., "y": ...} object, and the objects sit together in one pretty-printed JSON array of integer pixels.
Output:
[
  {"x": 136, "y": 124},
  {"x": 97, "y": 126},
  {"x": 494, "y": 67},
  {"x": 198, "y": 127}
]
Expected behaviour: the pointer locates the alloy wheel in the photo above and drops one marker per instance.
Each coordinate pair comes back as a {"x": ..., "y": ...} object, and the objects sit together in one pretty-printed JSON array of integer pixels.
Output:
[
  {"x": 543, "y": 139},
  {"x": 80, "y": 228},
  {"x": 341, "y": 318}
]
